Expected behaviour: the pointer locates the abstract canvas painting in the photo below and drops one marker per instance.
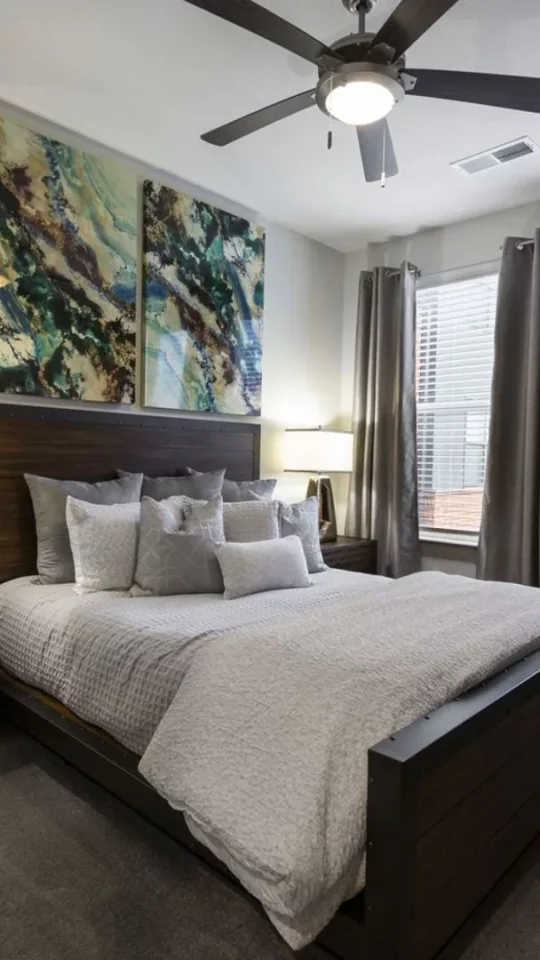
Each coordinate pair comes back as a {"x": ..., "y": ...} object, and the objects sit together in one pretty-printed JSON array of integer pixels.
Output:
[
  {"x": 203, "y": 305},
  {"x": 68, "y": 231}
]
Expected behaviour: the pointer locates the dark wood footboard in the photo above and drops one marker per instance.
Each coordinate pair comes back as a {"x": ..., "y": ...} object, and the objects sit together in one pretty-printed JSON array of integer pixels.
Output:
[{"x": 454, "y": 803}]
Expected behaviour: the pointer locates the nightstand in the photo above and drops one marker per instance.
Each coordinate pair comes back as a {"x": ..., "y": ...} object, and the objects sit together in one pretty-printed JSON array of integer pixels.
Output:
[{"x": 350, "y": 553}]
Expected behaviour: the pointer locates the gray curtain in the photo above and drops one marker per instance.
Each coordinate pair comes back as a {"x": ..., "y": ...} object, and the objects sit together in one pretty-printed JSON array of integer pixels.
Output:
[
  {"x": 509, "y": 546},
  {"x": 383, "y": 502}
]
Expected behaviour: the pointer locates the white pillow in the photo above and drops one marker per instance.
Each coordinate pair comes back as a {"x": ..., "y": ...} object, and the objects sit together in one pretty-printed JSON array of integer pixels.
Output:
[
  {"x": 103, "y": 541},
  {"x": 251, "y": 520},
  {"x": 264, "y": 565}
]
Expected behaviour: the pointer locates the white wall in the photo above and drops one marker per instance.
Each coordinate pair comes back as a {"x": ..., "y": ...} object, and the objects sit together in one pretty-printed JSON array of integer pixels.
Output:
[
  {"x": 302, "y": 321},
  {"x": 302, "y": 346},
  {"x": 470, "y": 243},
  {"x": 436, "y": 252}
]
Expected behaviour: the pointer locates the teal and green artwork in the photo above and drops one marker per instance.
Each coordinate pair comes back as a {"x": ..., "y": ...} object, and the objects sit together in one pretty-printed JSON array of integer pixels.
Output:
[
  {"x": 203, "y": 305},
  {"x": 68, "y": 232}
]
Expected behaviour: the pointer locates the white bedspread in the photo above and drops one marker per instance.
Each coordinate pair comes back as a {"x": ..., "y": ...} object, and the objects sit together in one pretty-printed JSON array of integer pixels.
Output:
[
  {"x": 265, "y": 745},
  {"x": 117, "y": 661}
]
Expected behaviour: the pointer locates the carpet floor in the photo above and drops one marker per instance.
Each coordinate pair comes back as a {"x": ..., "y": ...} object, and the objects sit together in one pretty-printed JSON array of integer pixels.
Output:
[{"x": 84, "y": 878}]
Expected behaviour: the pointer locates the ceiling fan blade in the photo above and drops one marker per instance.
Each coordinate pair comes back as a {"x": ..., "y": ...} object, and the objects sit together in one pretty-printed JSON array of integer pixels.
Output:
[
  {"x": 221, "y": 136},
  {"x": 409, "y": 22},
  {"x": 251, "y": 16},
  {"x": 377, "y": 151},
  {"x": 490, "y": 89}
]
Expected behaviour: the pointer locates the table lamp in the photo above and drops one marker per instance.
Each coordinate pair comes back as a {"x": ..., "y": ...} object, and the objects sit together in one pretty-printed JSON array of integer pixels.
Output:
[{"x": 320, "y": 452}]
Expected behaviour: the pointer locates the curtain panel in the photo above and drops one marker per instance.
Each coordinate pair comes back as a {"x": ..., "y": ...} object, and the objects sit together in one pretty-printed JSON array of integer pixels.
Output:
[
  {"x": 383, "y": 499},
  {"x": 509, "y": 547}
]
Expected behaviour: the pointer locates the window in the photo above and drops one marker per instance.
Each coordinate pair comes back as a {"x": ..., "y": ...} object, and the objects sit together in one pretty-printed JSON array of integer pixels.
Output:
[{"x": 455, "y": 334}]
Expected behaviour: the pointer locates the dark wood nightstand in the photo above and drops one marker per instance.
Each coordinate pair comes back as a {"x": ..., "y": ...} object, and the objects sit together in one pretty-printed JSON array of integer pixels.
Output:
[{"x": 350, "y": 553}]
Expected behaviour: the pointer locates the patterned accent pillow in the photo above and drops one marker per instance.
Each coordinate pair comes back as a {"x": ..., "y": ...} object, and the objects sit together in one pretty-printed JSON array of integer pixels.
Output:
[
  {"x": 251, "y": 520},
  {"x": 177, "y": 547},
  {"x": 302, "y": 519},
  {"x": 267, "y": 565},
  {"x": 237, "y": 491},
  {"x": 103, "y": 540},
  {"x": 203, "y": 486},
  {"x": 49, "y": 497}
]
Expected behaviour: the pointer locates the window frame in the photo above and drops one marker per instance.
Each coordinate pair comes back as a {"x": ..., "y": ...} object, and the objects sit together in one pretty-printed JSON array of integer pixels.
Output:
[{"x": 470, "y": 272}]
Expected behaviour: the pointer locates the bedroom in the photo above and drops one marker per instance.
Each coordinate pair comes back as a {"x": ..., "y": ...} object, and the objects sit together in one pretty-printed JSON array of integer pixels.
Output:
[{"x": 121, "y": 97}]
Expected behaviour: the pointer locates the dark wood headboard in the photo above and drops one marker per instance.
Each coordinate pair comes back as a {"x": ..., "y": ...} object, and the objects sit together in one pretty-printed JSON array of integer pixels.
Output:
[{"x": 83, "y": 445}]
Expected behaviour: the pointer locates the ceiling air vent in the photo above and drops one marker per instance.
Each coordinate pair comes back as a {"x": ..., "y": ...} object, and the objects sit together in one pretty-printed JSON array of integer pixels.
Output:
[{"x": 506, "y": 152}]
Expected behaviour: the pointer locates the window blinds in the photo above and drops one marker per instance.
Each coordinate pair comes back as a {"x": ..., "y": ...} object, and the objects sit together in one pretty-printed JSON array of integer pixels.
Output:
[{"x": 455, "y": 345}]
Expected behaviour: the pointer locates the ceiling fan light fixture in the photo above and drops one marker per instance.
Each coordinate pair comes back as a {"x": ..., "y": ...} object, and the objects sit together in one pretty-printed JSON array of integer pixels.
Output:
[
  {"x": 359, "y": 102},
  {"x": 359, "y": 94}
]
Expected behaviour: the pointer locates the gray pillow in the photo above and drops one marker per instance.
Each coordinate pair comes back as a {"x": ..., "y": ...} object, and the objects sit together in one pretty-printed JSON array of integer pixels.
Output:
[
  {"x": 302, "y": 519},
  {"x": 177, "y": 547},
  {"x": 202, "y": 486},
  {"x": 49, "y": 498},
  {"x": 251, "y": 520},
  {"x": 267, "y": 565},
  {"x": 236, "y": 491}
]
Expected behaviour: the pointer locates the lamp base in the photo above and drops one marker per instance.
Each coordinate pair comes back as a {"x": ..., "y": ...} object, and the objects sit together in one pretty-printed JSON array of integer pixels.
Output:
[{"x": 321, "y": 488}]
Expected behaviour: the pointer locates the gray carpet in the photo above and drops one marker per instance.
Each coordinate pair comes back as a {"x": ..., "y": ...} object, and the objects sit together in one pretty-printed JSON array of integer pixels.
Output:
[{"x": 84, "y": 878}]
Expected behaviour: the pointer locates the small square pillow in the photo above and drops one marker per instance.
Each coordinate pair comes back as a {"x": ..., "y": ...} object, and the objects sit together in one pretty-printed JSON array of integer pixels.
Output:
[
  {"x": 203, "y": 486},
  {"x": 236, "y": 491},
  {"x": 49, "y": 497},
  {"x": 177, "y": 547},
  {"x": 104, "y": 544},
  {"x": 251, "y": 520},
  {"x": 302, "y": 519},
  {"x": 267, "y": 565}
]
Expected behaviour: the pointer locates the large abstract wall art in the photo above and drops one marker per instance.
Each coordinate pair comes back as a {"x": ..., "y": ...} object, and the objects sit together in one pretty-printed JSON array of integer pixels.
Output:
[
  {"x": 203, "y": 305},
  {"x": 68, "y": 228}
]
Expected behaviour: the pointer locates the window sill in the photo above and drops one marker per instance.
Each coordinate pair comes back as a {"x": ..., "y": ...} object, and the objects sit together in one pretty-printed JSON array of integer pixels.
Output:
[{"x": 456, "y": 539}]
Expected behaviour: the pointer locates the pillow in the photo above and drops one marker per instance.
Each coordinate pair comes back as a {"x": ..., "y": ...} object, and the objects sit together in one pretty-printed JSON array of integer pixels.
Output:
[
  {"x": 302, "y": 519},
  {"x": 236, "y": 491},
  {"x": 103, "y": 540},
  {"x": 54, "y": 557},
  {"x": 267, "y": 565},
  {"x": 251, "y": 520},
  {"x": 203, "y": 486},
  {"x": 177, "y": 547}
]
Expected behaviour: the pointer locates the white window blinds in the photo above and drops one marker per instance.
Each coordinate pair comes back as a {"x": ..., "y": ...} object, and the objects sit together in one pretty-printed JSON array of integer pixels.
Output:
[{"x": 455, "y": 334}]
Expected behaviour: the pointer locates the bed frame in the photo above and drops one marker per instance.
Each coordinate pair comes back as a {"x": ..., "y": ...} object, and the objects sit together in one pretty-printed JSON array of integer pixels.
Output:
[{"x": 453, "y": 799}]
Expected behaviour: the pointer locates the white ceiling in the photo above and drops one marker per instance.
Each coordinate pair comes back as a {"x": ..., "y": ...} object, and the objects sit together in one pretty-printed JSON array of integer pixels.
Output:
[{"x": 149, "y": 76}]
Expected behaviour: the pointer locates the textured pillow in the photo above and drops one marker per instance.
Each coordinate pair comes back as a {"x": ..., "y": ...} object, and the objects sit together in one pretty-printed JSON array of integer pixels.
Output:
[
  {"x": 54, "y": 557},
  {"x": 267, "y": 565},
  {"x": 236, "y": 491},
  {"x": 104, "y": 544},
  {"x": 302, "y": 519},
  {"x": 203, "y": 486},
  {"x": 177, "y": 547},
  {"x": 251, "y": 520}
]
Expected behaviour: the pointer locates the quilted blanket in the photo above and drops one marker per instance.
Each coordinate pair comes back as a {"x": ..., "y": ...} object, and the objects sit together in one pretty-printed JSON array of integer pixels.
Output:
[
  {"x": 264, "y": 747},
  {"x": 118, "y": 661}
]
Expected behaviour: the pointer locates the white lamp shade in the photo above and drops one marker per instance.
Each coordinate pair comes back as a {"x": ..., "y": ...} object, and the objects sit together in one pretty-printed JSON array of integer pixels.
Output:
[{"x": 318, "y": 451}]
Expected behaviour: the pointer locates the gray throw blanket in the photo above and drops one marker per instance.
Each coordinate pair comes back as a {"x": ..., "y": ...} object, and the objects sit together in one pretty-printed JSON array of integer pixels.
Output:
[{"x": 265, "y": 745}]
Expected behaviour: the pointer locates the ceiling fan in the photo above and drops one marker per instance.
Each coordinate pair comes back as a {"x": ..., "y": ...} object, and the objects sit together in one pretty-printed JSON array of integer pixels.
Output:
[{"x": 363, "y": 75}]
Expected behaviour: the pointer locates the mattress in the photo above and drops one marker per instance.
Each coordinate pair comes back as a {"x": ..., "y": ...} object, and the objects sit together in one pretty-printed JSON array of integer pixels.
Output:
[{"x": 118, "y": 661}]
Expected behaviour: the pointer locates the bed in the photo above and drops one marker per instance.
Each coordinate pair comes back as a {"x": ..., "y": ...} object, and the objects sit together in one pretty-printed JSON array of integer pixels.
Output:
[{"x": 453, "y": 809}]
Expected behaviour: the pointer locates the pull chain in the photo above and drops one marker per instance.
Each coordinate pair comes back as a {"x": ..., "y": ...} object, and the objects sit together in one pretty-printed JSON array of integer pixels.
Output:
[
  {"x": 383, "y": 173},
  {"x": 330, "y": 138}
]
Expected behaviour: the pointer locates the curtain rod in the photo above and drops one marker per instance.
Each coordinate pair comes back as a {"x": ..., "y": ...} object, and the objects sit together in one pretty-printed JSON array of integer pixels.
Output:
[{"x": 521, "y": 244}]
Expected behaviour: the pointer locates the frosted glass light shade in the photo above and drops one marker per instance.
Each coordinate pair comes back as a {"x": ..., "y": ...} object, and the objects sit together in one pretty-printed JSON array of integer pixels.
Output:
[
  {"x": 318, "y": 451},
  {"x": 359, "y": 102}
]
